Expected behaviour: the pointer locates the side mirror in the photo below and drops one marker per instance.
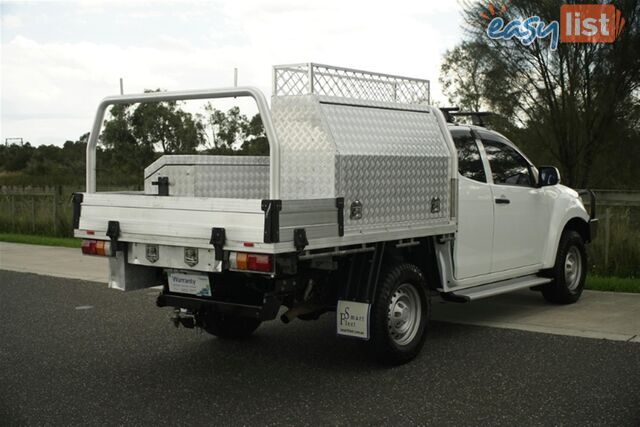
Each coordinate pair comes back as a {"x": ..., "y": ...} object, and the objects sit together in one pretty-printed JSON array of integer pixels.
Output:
[{"x": 549, "y": 175}]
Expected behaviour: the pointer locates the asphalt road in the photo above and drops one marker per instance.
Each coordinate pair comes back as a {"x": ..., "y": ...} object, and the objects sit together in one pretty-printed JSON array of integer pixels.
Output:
[{"x": 74, "y": 352}]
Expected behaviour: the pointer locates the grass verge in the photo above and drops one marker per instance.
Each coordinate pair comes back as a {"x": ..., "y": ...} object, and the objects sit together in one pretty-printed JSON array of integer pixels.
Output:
[
  {"x": 31, "y": 239},
  {"x": 613, "y": 284}
]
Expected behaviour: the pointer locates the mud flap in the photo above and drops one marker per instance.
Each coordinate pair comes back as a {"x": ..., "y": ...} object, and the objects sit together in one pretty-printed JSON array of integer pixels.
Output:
[
  {"x": 352, "y": 319},
  {"x": 131, "y": 277}
]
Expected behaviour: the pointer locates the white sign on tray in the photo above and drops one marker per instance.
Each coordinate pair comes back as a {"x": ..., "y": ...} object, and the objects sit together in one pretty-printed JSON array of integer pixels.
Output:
[{"x": 189, "y": 283}]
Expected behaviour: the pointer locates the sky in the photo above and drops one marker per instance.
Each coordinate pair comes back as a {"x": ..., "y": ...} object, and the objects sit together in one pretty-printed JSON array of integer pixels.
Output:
[{"x": 58, "y": 59}]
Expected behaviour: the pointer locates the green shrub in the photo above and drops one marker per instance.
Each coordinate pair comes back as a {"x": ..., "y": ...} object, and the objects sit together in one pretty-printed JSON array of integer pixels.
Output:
[{"x": 623, "y": 258}]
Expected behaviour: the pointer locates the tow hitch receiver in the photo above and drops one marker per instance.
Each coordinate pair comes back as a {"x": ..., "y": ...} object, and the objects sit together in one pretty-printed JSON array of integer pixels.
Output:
[{"x": 184, "y": 318}]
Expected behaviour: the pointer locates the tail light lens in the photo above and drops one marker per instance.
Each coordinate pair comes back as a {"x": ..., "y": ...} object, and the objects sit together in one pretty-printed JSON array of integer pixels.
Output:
[
  {"x": 250, "y": 262},
  {"x": 96, "y": 247}
]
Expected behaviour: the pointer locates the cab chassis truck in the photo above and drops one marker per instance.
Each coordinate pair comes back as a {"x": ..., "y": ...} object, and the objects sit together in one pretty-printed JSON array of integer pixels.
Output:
[{"x": 370, "y": 202}]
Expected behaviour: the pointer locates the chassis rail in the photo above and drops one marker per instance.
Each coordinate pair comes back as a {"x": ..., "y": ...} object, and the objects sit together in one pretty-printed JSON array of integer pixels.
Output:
[{"x": 267, "y": 311}]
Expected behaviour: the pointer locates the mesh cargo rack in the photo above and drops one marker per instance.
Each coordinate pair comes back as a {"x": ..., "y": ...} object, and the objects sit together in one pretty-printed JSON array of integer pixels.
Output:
[{"x": 327, "y": 80}]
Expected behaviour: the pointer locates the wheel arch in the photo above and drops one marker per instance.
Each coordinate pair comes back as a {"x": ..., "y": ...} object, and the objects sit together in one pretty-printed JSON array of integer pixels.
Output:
[
  {"x": 575, "y": 223},
  {"x": 361, "y": 283},
  {"x": 424, "y": 257},
  {"x": 579, "y": 225}
]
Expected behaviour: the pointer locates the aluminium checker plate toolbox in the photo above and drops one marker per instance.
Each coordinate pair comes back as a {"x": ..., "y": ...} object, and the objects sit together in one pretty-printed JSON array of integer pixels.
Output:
[
  {"x": 393, "y": 160},
  {"x": 239, "y": 177}
]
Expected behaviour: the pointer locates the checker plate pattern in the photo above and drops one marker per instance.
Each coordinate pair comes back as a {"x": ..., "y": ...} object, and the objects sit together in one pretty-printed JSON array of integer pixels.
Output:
[
  {"x": 307, "y": 152},
  {"x": 394, "y": 161},
  {"x": 241, "y": 177}
]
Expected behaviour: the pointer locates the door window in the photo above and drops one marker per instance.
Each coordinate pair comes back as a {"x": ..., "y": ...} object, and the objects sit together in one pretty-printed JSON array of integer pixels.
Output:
[
  {"x": 508, "y": 167},
  {"x": 469, "y": 161}
]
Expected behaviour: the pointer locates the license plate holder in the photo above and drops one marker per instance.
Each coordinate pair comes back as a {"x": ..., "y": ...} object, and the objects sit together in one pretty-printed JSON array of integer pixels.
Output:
[{"x": 189, "y": 283}]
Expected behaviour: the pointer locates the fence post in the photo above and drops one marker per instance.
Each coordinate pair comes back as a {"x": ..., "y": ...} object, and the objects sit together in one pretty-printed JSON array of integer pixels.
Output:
[
  {"x": 33, "y": 215},
  {"x": 13, "y": 213},
  {"x": 55, "y": 211},
  {"x": 607, "y": 234}
]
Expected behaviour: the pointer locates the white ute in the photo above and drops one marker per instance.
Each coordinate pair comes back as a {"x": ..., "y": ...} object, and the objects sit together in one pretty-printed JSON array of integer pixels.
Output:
[{"x": 370, "y": 201}]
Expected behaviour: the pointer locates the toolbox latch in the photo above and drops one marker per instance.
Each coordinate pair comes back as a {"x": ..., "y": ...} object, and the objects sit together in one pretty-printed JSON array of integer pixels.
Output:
[
  {"x": 340, "y": 208},
  {"x": 77, "y": 199},
  {"x": 271, "y": 209},
  {"x": 300, "y": 240},
  {"x": 163, "y": 185},
  {"x": 218, "y": 238},
  {"x": 113, "y": 233}
]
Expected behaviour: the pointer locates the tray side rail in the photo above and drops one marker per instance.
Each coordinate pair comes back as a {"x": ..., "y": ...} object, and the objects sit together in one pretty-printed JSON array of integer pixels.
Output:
[{"x": 188, "y": 221}]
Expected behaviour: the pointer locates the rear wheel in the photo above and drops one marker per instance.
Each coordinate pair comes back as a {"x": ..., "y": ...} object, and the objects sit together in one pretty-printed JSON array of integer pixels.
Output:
[
  {"x": 230, "y": 327},
  {"x": 400, "y": 315},
  {"x": 569, "y": 272}
]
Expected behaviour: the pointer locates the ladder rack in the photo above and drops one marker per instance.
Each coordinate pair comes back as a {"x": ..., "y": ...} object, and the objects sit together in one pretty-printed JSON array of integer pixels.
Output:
[{"x": 327, "y": 80}]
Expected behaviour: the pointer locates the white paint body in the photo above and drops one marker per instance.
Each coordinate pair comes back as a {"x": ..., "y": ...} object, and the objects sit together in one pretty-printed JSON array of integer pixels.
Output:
[
  {"x": 525, "y": 238},
  {"x": 498, "y": 242}
]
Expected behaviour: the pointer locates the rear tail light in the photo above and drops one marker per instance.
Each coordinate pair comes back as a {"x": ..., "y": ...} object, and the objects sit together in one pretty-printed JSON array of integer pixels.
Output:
[
  {"x": 96, "y": 247},
  {"x": 250, "y": 262}
]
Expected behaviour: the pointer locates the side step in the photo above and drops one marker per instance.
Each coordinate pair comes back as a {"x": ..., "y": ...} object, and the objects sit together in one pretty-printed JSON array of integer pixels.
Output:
[{"x": 496, "y": 288}]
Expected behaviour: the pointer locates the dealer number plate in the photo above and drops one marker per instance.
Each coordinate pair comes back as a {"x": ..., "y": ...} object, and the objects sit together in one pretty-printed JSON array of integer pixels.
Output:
[{"x": 186, "y": 283}]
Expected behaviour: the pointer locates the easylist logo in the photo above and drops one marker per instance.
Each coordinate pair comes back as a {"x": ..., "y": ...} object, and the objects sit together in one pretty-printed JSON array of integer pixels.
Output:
[
  {"x": 579, "y": 23},
  {"x": 590, "y": 23}
]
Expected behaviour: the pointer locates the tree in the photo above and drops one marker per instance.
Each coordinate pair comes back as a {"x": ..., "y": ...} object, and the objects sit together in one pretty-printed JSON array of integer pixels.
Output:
[
  {"x": 166, "y": 124},
  {"x": 132, "y": 138},
  {"x": 227, "y": 128},
  {"x": 133, "y": 134},
  {"x": 256, "y": 143},
  {"x": 577, "y": 103},
  {"x": 125, "y": 154},
  {"x": 464, "y": 76},
  {"x": 15, "y": 157}
]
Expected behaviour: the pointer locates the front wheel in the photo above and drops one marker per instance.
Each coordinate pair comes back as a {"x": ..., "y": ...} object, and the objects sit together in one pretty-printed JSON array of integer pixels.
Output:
[
  {"x": 229, "y": 327},
  {"x": 569, "y": 272},
  {"x": 400, "y": 315}
]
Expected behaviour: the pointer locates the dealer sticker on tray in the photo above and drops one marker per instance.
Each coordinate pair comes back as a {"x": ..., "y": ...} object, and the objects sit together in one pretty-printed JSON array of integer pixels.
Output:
[
  {"x": 352, "y": 319},
  {"x": 194, "y": 284}
]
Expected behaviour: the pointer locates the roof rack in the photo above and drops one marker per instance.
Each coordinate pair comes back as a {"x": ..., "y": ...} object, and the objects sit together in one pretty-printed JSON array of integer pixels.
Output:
[
  {"x": 447, "y": 113},
  {"x": 327, "y": 80},
  {"x": 450, "y": 113}
]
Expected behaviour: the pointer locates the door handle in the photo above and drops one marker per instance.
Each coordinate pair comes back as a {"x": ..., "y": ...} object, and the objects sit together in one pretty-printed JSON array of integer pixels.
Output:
[{"x": 503, "y": 201}]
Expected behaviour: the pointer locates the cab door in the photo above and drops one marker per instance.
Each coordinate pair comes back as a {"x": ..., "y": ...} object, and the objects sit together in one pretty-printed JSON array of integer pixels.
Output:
[
  {"x": 521, "y": 211},
  {"x": 474, "y": 241}
]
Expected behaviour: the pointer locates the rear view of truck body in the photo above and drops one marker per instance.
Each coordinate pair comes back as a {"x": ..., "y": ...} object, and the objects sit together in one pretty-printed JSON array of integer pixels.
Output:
[{"x": 333, "y": 170}]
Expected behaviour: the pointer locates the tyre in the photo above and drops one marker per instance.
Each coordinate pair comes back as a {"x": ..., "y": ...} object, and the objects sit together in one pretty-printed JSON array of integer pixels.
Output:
[
  {"x": 400, "y": 314},
  {"x": 569, "y": 271},
  {"x": 230, "y": 327}
]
